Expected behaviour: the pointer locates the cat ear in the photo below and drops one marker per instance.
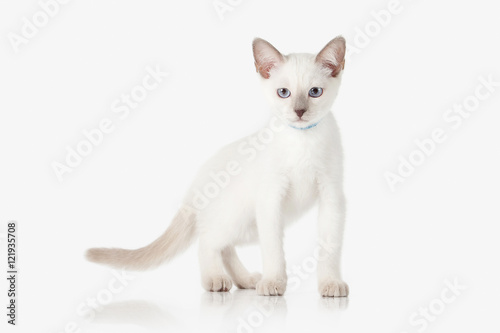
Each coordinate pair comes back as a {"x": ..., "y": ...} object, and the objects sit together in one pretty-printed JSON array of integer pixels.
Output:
[
  {"x": 266, "y": 57},
  {"x": 332, "y": 55}
]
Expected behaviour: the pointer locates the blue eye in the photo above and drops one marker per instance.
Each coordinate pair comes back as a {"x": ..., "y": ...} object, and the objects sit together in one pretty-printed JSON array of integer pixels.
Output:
[
  {"x": 316, "y": 92},
  {"x": 284, "y": 93}
]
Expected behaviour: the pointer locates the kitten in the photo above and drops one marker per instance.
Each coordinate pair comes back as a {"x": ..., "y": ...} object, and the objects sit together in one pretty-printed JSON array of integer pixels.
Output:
[{"x": 251, "y": 189}]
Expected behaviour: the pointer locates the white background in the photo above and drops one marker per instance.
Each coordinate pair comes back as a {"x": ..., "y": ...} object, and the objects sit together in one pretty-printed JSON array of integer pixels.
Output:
[{"x": 400, "y": 246}]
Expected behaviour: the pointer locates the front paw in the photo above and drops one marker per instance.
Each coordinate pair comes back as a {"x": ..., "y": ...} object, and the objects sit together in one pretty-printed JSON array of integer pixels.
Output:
[
  {"x": 271, "y": 287},
  {"x": 333, "y": 288},
  {"x": 217, "y": 283}
]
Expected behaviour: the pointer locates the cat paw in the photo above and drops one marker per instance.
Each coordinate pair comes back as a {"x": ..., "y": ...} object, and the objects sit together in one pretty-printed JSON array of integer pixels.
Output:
[
  {"x": 333, "y": 288},
  {"x": 271, "y": 287},
  {"x": 217, "y": 283},
  {"x": 249, "y": 282}
]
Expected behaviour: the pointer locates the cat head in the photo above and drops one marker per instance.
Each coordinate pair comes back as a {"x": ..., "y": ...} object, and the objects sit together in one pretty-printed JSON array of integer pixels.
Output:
[{"x": 301, "y": 88}]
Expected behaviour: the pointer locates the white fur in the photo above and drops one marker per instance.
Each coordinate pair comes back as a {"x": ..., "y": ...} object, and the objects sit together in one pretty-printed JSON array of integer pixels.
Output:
[{"x": 277, "y": 182}]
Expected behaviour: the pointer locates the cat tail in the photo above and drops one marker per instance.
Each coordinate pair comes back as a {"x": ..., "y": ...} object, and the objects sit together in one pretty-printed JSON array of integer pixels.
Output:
[{"x": 177, "y": 238}]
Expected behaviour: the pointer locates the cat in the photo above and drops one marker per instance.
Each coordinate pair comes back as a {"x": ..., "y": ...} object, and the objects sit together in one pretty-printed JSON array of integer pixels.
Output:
[{"x": 250, "y": 190}]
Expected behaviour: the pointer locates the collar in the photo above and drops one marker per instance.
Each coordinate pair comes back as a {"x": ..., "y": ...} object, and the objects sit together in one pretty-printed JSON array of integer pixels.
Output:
[{"x": 304, "y": 128}]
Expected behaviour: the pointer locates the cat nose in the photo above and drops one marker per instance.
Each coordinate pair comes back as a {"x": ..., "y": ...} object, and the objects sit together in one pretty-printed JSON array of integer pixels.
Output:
[{"x": 300, "y": 112}]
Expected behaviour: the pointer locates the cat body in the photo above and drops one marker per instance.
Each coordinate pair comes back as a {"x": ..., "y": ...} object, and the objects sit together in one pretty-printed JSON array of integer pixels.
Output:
[{"x": 251, "y": 189}]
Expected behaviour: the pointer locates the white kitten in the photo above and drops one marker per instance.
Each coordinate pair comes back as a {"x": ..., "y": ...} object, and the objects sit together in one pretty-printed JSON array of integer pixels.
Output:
[{"x": 253, "y": 187}]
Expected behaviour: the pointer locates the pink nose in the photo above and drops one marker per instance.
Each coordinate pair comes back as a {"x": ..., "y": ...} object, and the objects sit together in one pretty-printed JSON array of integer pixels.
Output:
[{"x": 300, "y": 112}]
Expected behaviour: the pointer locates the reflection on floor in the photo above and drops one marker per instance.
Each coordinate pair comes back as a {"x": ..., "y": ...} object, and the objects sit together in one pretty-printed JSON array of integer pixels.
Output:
[{"x": 237, "y": 311}]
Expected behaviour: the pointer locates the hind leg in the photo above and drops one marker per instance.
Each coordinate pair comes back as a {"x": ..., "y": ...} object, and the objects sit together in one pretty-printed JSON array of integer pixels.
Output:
[
  {"x": 241, "y": 277},
  {"x": 213, "y": 277}
]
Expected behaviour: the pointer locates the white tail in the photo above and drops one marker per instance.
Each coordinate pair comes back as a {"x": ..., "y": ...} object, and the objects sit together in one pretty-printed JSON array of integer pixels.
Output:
[{"x": 175, "y": 239}]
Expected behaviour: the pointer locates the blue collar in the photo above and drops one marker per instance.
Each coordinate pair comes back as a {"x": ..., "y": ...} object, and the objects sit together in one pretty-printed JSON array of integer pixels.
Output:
[{"x": 304, "y": 128}]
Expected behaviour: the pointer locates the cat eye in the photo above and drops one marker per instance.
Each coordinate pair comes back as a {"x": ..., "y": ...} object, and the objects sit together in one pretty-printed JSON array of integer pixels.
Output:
[
  {"x": 316, "y": 92},
  {"x": 284, "y": 93}
]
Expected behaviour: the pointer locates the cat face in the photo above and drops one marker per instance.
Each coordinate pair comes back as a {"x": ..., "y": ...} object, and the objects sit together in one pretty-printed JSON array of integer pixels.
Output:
[{"x": 301, "y": 88}]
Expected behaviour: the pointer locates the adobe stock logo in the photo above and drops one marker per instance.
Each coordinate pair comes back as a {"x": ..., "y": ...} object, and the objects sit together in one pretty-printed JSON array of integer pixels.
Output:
[
  {"x": 248, "y": 149},
  {"x": 380, "y": 20},
  {"x": 32, "y": 26},
  {"x": 224, "y": 6},
  {"x": 421, "y": 319},
  {"x": 94, "y": 304},
  {"x": 454, "y": 118},
  {"x": 122, "y": 107}
]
